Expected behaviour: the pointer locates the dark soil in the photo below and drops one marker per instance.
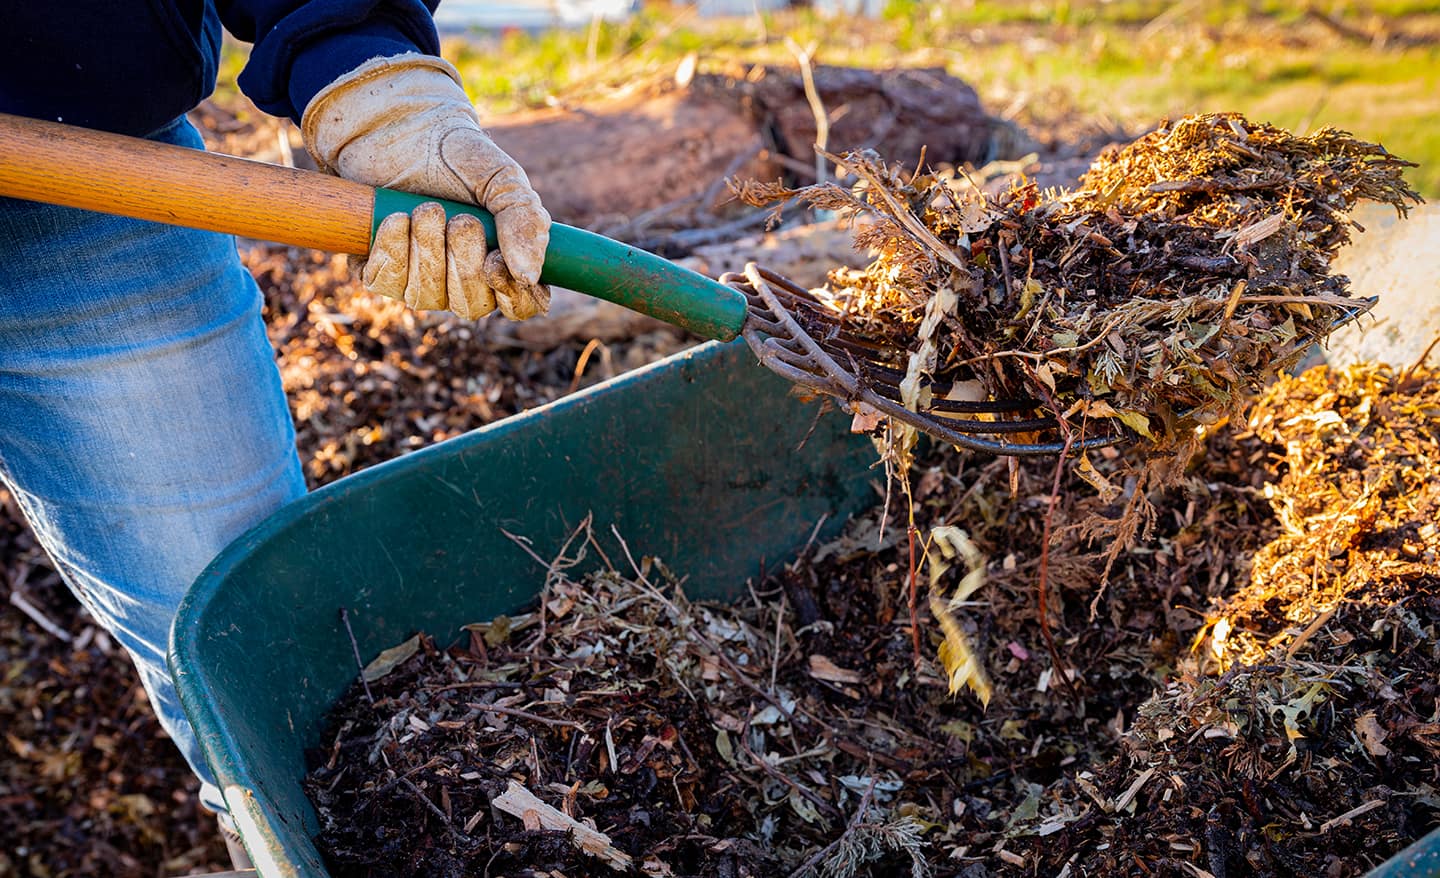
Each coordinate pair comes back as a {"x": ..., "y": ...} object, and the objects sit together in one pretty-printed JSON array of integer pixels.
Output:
[{"x": 89, "y": 783}]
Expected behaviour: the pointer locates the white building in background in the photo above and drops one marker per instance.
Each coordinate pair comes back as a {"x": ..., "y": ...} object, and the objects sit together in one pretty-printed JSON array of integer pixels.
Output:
[
  {"x": 720, "y": 8},
  {"x": 460, "y": 15},
  {"x": 868, "y": 8},
  {"x": 872, "y": 8}
]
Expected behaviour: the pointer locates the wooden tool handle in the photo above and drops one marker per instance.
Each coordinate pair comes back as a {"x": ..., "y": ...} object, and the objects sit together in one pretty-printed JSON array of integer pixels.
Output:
[{"x": 111, "y": 173}]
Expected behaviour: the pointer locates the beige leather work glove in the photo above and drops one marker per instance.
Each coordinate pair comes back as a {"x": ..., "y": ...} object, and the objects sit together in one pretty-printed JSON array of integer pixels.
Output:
[{"x": 405, "y": 123}]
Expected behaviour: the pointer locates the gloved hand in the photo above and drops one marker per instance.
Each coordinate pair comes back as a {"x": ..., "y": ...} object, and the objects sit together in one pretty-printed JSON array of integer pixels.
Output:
[{"x": 405, "y": 123}]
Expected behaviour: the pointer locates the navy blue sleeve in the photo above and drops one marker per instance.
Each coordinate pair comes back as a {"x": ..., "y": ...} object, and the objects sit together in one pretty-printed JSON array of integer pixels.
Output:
[{"x": 301, "y": 46}]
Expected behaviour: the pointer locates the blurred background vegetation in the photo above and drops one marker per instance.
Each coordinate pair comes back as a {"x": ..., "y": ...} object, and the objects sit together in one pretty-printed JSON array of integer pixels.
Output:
[{"x": 1370, "y": 67}]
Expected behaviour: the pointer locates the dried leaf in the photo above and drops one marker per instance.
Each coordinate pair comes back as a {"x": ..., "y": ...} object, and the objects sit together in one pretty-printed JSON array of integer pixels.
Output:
[
  {"x": 963, "y": 666},
  {"x": 1371, "y": 735},
  {"x": 390, "y": 659}
]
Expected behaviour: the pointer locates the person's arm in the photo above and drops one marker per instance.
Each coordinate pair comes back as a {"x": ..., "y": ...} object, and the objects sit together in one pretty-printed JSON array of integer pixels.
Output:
[
  {"x": 301, "y": 46},
  {"x": 378, "y": 105}
]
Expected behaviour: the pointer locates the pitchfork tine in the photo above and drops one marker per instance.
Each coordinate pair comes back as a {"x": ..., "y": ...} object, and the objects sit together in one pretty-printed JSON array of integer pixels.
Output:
[{"x": 847, "y": 368}]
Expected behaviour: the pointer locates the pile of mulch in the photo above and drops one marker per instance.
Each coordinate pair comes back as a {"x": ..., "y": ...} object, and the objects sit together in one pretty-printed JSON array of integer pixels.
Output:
[
  {"x": 89, "y": 783},
  {"x": 1159, "y": 297},
  {"x": 800, "y": 732},
  {"x": 1301, "y": 737}
]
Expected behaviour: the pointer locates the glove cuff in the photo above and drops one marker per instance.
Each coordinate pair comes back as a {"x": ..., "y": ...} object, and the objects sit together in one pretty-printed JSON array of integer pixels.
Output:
[{"x": 380, "y": 92}]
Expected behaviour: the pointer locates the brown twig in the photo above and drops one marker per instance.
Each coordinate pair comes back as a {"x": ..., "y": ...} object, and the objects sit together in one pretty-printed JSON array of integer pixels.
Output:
[
  {"x": 355, "y": 648},
  {"x": 1043, "y": 584},
  {"x": 1405, "y": 379},
  {"x": 913, "y": 597},
  {"x": 525, "y": 714}
]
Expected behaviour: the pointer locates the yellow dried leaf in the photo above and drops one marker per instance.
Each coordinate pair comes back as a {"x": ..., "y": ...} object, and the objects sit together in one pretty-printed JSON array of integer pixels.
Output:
[
  {"x": 1137, "y": 421},
  {"x": 963, "y": 667},
  {"x": 1107, "y": 489},
  {"x": 953, "y": 542},
  {"x": 391, "y": 659}
]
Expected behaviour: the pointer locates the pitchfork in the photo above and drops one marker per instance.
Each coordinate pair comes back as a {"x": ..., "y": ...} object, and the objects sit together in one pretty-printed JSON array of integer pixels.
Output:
[{"x": 792, "y": 332}]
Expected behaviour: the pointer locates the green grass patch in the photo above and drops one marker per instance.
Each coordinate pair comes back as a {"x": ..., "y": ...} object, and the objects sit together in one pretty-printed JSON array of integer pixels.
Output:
[{"x": 1132, "y": 60}]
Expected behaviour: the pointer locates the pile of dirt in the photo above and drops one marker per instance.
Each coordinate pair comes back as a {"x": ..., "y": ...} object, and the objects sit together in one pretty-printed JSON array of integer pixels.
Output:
[
  {"x": 1156, "y": 299},
  {"x": 801, "y": 732},
  {"x": 899, "y": 112}
]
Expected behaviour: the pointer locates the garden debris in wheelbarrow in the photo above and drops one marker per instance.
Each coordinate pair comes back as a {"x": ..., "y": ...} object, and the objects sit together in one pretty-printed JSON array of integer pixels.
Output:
[
  {"x": 1232, "y": 703},
  {"x": 1156, "y": 299}
]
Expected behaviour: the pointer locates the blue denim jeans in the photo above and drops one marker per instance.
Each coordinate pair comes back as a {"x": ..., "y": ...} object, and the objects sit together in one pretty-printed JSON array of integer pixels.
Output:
[{"x": 142, "y": 421}]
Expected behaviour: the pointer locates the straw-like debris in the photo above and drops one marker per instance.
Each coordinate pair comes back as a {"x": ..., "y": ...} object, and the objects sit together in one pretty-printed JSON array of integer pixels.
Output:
[
  {"x": 796, "y": 733},
  {"x": 1156, "y": 299},
  {"x": 1358, "y": 501},
  {"x": 1301, "y": 739}
]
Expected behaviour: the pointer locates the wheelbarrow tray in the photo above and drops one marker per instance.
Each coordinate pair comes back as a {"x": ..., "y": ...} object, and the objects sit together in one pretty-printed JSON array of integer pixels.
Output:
[{"x": 696, "y": 460}]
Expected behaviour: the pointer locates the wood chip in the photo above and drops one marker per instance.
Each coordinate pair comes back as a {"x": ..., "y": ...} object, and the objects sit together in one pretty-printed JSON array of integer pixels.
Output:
[
  {"x": 821, "y": 668},
  {"x": 517, "y": 801},
  {"x": 1129, "y": 795},
  {"x": 1350, "y": 815}
]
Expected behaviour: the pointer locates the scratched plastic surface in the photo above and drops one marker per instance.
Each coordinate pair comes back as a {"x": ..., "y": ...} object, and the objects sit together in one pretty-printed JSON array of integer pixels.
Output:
[{"x": 693, "y": 460}]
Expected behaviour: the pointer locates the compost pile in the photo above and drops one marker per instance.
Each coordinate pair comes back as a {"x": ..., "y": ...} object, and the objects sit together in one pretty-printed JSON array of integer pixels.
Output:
[
  {"x": 1301, "y": 737},
  {"x": 1188, "y": 268},
  {"x": 1232, "y": 703}
]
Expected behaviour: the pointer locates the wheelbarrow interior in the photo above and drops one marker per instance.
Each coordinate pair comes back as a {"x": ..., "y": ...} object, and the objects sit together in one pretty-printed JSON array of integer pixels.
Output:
[{"x": 703, "y": 460}]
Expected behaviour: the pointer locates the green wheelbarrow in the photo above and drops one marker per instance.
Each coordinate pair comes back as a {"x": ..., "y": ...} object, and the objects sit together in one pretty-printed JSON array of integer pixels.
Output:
[{"x": 689, "y": 459}]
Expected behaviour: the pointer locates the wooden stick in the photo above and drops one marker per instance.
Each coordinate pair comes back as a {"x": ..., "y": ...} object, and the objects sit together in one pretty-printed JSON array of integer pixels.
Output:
[
  {"x": 520, "y": 802},
  {"x": 128, "y": 176}
]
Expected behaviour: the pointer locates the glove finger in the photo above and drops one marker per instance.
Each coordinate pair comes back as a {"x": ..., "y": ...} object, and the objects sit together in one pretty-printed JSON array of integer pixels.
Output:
[
  {"x": 517, "y": 300},
  {"x": 522, "y": 224},
  {"x": 425, "y": 283},
  {"x": 470, "y": 295},
  {"x": 524, "y": 233},
  {"x": 388, "y": 266}
]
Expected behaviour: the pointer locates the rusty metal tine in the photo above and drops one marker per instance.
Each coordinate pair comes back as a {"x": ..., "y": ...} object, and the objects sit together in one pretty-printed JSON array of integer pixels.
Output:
[
  {"x": 985, "y": 407},
  {"x": 775, "y": 332},
  {"x": 1030, "y": 425}
]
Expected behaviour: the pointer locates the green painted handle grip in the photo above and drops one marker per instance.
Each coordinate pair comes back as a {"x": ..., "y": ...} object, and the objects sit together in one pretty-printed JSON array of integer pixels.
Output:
[{"x": 607, "y": 269}]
